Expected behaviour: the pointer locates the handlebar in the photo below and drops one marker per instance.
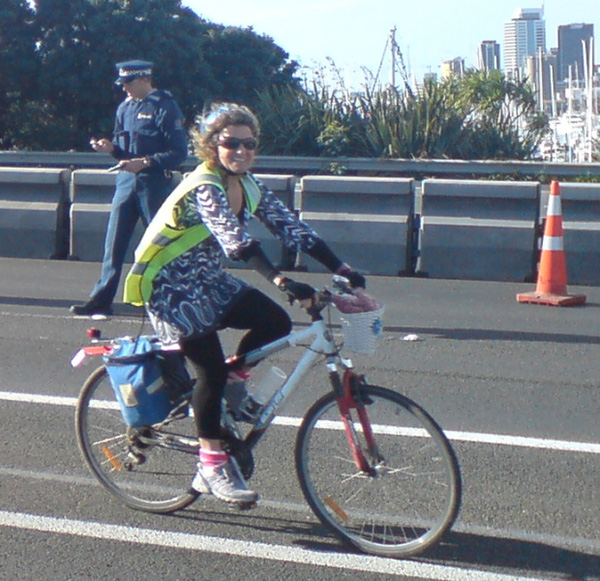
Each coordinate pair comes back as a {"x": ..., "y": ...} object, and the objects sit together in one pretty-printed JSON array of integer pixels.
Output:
[
  {"x": 347, "y": 299},
  {"x": 341, "y": 294}
]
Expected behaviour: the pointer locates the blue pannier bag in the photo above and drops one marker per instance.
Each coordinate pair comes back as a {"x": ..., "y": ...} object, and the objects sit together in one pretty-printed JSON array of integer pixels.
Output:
[{"x": 135, "y": 373}]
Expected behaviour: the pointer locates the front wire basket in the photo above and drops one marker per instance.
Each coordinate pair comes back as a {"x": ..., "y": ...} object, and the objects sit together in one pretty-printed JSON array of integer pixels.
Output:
[{"x": 362, "y": 331}]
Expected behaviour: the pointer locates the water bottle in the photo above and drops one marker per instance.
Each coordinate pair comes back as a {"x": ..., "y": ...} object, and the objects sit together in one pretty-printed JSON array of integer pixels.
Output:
[{"x": 267, "y": 384}]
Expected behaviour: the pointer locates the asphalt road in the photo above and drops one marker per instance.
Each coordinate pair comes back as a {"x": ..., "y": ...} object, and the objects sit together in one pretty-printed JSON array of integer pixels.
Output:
[{"x": 515, "y": 387}]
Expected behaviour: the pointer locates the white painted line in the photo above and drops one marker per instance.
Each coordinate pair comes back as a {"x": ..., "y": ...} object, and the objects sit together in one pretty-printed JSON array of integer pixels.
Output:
[
  {"x": 240, "y": 548},
  {"x": 571, "y": 543},
  {"x": 456, "y": 436},
  {"x": 524, "y": 442},
  {"x": 38, "y": 398}
]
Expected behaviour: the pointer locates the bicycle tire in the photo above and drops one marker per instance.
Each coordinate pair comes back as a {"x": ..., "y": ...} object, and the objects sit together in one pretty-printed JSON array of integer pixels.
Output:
[
  {"x": 412, "y": 498},
  {"x": 132, "y": 463}
]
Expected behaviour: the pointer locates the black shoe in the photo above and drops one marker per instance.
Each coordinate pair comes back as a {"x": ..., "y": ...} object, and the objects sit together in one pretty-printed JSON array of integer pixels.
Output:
[{"x": 91, "y": 308}]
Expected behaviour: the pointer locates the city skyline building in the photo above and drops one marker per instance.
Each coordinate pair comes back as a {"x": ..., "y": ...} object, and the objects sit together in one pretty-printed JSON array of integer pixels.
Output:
[
  {"x": 574, "y": 42},
  {"x": 489, "y": 56},
  {"x": 565, "y": 79},
  {"x": 541, "y": 73},
  {"x": 455, "y": 66},
  {"x": 524, "y": 36}
]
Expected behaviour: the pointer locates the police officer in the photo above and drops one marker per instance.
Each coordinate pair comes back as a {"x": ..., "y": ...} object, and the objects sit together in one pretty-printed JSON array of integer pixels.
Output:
[{"x": 149, "y": 141}]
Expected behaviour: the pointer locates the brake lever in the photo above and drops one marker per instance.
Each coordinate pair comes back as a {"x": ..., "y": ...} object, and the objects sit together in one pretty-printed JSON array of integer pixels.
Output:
[{"x": 341, "y": 283}]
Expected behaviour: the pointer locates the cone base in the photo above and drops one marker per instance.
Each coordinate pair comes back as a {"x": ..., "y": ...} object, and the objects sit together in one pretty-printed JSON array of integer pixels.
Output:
[{"x": 549, "y": 299}]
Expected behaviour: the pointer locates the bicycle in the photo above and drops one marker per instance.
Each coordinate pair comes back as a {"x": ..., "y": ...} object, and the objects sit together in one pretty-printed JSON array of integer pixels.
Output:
[{"x": 373, "y": 465}]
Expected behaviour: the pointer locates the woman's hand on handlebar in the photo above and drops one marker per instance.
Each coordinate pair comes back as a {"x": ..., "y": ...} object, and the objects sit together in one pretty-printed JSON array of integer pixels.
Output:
[
  {"x": 297, "y": 291},
  {"x": 354, "y": 277}
]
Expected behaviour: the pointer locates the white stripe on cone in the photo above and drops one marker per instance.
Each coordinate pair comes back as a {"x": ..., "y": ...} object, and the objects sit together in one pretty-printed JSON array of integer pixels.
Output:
[
  {"x": 554, "y": 206},
  {"x": 553, "y": 243}
]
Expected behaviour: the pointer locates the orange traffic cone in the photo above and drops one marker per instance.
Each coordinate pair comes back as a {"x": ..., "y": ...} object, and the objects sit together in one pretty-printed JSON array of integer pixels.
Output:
[{"x": 551, "y": 286}]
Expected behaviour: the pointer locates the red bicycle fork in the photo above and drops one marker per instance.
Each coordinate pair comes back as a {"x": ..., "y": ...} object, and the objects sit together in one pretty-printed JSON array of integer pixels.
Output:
[{"x": 350, "y": 400}]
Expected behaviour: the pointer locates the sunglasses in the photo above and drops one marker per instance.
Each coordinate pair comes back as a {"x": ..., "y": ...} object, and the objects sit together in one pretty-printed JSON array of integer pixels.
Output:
[{"x": 234, "y": 143}]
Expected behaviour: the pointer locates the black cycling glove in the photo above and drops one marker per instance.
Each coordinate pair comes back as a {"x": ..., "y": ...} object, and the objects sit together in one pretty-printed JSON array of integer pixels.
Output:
[
  {"x": 321, "y": 252},
  {"x": 355, "y": 279},
  {"x": 296, "y": 291}
]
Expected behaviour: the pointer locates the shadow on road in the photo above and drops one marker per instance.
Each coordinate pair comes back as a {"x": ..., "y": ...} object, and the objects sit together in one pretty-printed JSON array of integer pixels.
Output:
[
  {"x": 460, "y": 550},
  {"x": 457, "y": 334},
  {"x": 537, "y": 559}
]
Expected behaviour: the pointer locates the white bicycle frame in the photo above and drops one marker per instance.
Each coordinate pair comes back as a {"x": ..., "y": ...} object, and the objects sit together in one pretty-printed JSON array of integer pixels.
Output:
[{"x": 322, "y": 345}]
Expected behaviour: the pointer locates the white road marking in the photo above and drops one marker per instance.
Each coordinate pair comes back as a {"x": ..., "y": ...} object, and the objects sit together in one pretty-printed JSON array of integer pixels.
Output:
[
  {"x": 571, "y": 543},
  {"x": 240, "y": 548},
  {"x": 457, "y": 436},
  {"x": 279, "y": 552}
]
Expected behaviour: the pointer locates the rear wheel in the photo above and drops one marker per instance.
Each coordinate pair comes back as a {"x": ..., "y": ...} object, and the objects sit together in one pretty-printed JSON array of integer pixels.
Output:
[
  {"x": 408, "y": 498},
  {"x": 149, "y": 468}
]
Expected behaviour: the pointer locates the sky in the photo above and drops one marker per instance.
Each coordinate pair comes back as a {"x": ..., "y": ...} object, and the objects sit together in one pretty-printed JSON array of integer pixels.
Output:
[{"x": 353, "y": 33}]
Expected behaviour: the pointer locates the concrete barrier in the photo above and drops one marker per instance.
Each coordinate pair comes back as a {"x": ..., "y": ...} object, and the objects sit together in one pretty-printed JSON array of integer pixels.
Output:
[
  {"x": 91, "y": 193},
  {"x": 479, "y": 230},
  {"x": 581, "y": 224},
  {"x": 34, "y": 212},
  {"x": 466, "y": 228},
  {"x": 368, "y": 222}
]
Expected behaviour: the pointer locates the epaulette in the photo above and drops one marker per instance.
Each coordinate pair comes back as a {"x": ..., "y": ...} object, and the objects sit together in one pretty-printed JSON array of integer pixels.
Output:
[{"x": 158, "y": 95}]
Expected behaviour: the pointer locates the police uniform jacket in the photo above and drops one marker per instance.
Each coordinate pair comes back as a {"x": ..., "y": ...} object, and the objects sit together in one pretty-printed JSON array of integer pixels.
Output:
[{"x": 151, "y": 127}]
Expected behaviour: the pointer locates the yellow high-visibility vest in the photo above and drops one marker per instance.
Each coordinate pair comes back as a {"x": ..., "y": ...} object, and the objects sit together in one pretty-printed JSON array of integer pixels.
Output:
[{"x": 164, "y": 240}]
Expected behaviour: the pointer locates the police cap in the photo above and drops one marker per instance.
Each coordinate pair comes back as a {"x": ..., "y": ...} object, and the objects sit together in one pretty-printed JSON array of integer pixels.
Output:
[{"x": 130, "y": 70}]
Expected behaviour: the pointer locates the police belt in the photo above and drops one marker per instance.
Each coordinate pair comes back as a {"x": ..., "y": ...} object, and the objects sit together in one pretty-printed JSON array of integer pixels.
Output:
[{"x": 155, "y": 171}]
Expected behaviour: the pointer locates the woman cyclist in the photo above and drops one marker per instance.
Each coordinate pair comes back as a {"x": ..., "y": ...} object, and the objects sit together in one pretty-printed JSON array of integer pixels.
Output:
[{"x": 179, "y": 275}]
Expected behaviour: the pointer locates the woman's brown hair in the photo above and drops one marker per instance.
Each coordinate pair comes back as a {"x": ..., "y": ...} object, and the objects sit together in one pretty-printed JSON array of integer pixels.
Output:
[{"x": 219, "y": 116}]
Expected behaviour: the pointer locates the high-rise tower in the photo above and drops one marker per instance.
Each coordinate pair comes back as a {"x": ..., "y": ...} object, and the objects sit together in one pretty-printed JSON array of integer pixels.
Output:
[
  {"x": 489, "y": 55},
  {"x": 572, "y": 38},
  {"x": 524, "y": 35}
]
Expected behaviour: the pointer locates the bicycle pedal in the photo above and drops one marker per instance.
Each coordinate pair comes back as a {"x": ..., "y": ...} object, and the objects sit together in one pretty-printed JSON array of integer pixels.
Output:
[
  {"x": 242, "y": 416},
  {"x": 136, "y": 457}
]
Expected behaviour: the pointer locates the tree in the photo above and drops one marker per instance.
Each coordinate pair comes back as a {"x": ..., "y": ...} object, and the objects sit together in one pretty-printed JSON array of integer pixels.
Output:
[
  {"x": 80, "y": 43},
  {"x": 504, "y": 119},
  {"x": 19, "y": 67},
  {"x": 77, "y": 43},
  {"x": 231, "y": 51}
]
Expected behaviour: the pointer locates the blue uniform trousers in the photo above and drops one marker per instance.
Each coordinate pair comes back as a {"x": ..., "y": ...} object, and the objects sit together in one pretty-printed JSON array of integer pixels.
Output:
[{"x": 137, "y": 196}]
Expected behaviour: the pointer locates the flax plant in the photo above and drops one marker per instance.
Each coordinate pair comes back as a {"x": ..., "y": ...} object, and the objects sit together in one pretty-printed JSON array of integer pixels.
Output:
[{"x": 478, "y": 116}]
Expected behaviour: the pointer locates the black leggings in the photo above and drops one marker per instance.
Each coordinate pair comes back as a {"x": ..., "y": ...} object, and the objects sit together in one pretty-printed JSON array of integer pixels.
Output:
[{"x": 266, "y": 321}]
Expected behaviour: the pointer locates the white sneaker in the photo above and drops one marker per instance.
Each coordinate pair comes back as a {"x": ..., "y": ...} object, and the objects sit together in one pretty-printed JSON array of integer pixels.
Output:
[{"x": 225, "y": 482}]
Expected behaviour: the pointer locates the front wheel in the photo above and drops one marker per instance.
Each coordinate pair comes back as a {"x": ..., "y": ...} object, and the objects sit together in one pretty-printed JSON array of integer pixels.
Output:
[
  {"x": 409, "y": 497},
  {"x": 149, "y": 468}
]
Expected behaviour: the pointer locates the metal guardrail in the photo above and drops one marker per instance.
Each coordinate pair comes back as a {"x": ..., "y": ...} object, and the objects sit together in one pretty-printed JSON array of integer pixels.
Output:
[{"x": 322, "y": 165}]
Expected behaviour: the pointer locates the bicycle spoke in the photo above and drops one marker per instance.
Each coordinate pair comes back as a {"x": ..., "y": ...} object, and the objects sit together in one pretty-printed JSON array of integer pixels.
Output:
[
  {"x": 148, "y": 469},
  {"x": 411, "y": 492}
]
